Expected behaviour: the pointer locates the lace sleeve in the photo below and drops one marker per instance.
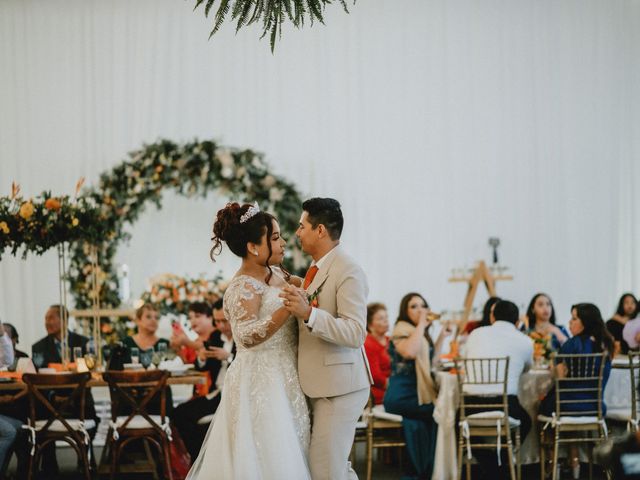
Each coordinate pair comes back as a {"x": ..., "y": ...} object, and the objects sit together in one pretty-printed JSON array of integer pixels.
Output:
[{"x": 243, "y": 310}]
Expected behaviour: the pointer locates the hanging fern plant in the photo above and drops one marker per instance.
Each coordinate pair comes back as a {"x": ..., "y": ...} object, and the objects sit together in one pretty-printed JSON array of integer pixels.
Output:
[{"x": 272, "y": 14}]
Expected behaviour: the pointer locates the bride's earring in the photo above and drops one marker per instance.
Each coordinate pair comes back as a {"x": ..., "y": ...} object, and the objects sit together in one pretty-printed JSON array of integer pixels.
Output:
[{"x": 255, "y": 253}]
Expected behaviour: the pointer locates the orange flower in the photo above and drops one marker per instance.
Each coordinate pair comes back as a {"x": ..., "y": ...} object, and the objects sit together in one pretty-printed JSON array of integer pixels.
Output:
[
  {"x": 75, "y": 222},
  {"x": 26, "y": 210},
  {"x": 4, "y": 227},
  {"x": 52, "y": 204}
]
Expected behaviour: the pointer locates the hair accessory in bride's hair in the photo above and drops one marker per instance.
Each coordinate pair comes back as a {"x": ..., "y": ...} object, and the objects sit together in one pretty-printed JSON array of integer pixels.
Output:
[{"x": 253, "y": 210}]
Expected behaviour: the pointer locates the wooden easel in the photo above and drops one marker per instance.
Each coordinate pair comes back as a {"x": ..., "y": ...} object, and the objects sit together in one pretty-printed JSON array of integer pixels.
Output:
[{"x": 480, "y": 273}]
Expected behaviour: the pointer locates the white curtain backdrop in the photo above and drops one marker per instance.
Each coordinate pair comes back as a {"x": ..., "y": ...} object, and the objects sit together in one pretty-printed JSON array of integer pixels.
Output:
[{"x": 437, "y": 124}]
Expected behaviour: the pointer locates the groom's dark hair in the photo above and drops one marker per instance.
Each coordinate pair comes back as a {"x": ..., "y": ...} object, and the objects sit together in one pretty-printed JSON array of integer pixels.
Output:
[{"x": 325, "y": 211}]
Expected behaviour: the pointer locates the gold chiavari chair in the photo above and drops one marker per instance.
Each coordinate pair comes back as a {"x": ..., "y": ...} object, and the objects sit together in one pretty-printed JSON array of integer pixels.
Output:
[
  {"x": 577, "y": 418},
  {"x": 630, "y": 416},
  {"x": 486, "y": 424}
]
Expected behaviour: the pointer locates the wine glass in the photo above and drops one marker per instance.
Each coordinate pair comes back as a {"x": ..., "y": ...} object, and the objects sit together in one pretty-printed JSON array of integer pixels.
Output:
[
  {"x": 38, "y": 360},
  {"x": 135, "y": 355},
  {"x": 162, "y": 350},
  {"x": 90, "y": 360},
  {"x": 146, "y": 357},
  {"x": 156, "y": 359},
  {"x": 171, "y": 354}
]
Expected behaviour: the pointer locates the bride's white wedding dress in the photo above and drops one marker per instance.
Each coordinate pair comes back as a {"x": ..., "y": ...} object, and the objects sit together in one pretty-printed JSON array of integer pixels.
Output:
[{"x": 261, "y": 428}]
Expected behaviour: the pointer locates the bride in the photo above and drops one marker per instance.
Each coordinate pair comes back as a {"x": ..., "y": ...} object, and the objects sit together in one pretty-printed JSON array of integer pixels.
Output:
[{"x": 261, "y": 428}]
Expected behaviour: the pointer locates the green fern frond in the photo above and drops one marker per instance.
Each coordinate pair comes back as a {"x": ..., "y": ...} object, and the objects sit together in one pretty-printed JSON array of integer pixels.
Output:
[
  {"x": 257, "y": 12},
  {"x": 315, "y": 10},
  {"x": 244, "y": 14},
  {"x": 221, "y": 14},
  {"x": 198, "y": 3},
  {"x": 207, "y": 8},
  {"x": 344, "y": 5},
  {"x": 272, "y": 13}
]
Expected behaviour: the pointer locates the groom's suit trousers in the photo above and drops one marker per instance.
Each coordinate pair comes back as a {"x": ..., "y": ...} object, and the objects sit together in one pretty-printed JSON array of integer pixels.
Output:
[{"x": 334, "y": 425}]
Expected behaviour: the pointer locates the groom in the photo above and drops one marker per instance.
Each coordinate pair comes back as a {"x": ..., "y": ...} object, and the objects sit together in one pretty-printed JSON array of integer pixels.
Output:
[{"x": 333, "y": 368}]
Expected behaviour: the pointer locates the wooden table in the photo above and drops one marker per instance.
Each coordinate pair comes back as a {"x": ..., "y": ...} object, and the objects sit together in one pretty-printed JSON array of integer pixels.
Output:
[{"x": 192, "y": 377}]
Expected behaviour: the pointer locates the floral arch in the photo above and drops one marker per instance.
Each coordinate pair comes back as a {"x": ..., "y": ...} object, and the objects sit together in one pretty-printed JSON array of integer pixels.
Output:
[{"x": 190, "y": 169}]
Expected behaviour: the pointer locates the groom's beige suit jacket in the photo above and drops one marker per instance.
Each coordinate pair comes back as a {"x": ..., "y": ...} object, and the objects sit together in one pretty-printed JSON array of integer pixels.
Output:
[{"x": 331, "y": 356}]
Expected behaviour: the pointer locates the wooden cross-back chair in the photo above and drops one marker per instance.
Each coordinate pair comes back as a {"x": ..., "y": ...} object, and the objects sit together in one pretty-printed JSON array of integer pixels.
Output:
[
  {"x": 133, "y": 391},
  {"x": 56, "y": 397}
]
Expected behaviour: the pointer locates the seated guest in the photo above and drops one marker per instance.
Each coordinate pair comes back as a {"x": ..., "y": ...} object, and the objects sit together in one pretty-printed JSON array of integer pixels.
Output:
[
  {"x": 484, "y": 321},
  {"x": 541, "y": 318},
  {"x": 48, "y": 350},
  {"x": 501, "y": 339},
  {"x": 589, "y": 336},
  {"x": 375, "y": 346},
  {"x": 411, "y": 390},
  {"x": 199, "y": 316},
  {"x": 145, "y": 340},
  {"x": 9, "y": 429},
  {"x": 627, "y": 310},
  {"x": 214, "y": 357},
  {"x": 6, "y": 349},
  {"x": 13, "y": 335},
  {"x": 631, "y": 333},
  {"x": 10, "y": 424}
]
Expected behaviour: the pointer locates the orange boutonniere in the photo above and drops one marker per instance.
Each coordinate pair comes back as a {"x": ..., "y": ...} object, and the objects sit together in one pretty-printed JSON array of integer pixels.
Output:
[{"x": 313, "y": 298}]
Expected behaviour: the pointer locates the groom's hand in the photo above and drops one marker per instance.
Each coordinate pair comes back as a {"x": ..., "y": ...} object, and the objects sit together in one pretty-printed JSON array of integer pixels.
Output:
[{"x": 295, "y": 301}]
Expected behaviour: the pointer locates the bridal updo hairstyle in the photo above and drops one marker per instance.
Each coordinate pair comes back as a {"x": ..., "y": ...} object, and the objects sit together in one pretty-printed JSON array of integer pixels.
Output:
[{"x": 227, "y": 228}]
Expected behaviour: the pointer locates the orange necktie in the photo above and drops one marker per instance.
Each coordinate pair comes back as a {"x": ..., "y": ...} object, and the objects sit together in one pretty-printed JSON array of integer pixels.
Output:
[{"x": 308, "y": 278}]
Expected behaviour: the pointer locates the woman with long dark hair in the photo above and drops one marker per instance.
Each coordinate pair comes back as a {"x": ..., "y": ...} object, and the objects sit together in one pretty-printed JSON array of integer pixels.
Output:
[
  {"x": 541, "y": 318},
  {"x": 261, "y": 428},
  {"x": 411, "y": 391},
  {"x": 589, "y": 336},
  {"x": 627, "y": 310}
]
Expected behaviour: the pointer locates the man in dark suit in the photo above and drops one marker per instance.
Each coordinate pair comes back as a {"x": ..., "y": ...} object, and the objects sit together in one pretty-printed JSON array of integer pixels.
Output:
[
  {"x": 49, "y": 350},
  {"x": 215, "y": 356}
]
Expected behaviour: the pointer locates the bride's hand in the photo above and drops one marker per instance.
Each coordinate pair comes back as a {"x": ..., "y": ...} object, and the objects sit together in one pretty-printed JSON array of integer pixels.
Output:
[{"x": 295, "y": 301}]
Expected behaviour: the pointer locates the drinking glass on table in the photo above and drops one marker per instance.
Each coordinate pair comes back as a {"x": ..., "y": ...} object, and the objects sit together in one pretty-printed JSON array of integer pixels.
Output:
[
  {"x": 77, "y": 353},
  {"x": 162, "y": 350},
  {"x": 146, "y": 357},
  {"x": 38, "y": 360},
  {"x": 135, "y": 355}
]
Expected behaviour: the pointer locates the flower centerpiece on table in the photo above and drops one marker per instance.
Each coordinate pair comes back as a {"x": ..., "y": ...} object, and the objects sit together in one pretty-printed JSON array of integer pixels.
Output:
[{"x": 541, "y": 346}]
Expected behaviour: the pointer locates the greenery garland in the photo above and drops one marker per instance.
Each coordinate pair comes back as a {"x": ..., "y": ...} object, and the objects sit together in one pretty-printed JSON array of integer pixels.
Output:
[{"x": 272, "y": 14}]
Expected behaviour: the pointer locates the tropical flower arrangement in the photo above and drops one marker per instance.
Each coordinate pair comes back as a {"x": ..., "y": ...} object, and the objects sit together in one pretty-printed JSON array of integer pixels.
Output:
[
  {"x": 172, "y": 294},
  {"x": 34, "y": 225}
]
